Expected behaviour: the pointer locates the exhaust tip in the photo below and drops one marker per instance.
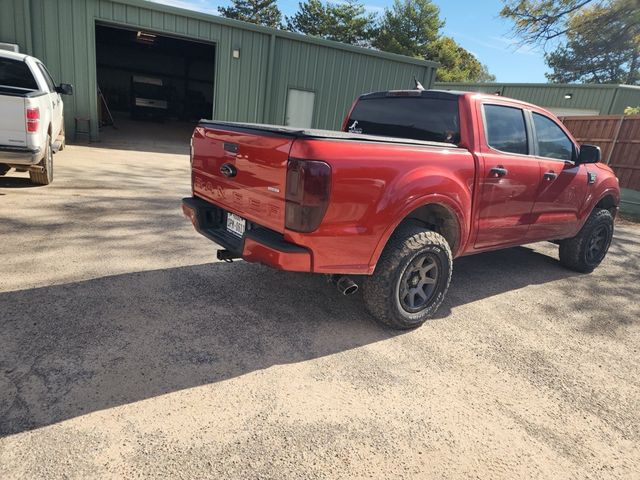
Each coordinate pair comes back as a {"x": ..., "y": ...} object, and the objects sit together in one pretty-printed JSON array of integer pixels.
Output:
[
  {"x": 226, "y": 255},
  {"x": 346, "y": 286}
]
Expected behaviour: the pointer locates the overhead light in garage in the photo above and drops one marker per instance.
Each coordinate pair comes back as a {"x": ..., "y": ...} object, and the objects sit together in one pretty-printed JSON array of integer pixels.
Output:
[
  {"x": 236, "y": 53},
  {"x": 568, "y": 96},
  {"x": 147, "y": 38}
]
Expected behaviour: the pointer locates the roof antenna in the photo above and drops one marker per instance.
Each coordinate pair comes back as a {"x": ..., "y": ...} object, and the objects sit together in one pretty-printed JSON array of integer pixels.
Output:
[{"x": 418, "y": 84}]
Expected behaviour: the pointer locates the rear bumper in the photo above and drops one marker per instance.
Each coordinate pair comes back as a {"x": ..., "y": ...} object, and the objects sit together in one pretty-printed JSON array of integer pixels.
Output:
[
  {"x": 258, "y": 245},
  {"x": 19, "y": 155}
]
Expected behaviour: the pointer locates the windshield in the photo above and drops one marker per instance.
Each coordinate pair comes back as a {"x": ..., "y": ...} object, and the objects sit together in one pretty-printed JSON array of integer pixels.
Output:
[{"x": 418, "y": 118}]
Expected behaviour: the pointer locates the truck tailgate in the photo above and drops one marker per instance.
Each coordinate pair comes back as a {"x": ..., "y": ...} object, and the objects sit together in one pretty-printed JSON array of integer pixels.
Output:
[
  {"x": 13, "y": 129},
  {"x": 242, "y": 170}
]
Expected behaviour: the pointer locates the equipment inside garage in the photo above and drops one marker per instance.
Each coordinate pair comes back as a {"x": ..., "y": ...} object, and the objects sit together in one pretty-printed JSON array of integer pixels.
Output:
[{"x": 150, "y": 77}]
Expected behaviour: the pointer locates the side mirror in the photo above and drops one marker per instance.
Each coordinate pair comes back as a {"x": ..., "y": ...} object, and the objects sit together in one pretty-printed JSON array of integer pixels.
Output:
[
  {"x": 65, "y": 89},
  {"x": 589, "y": 154}
]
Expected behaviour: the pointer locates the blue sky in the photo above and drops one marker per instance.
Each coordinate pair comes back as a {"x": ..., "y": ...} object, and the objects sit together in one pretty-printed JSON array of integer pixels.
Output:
[{"x": 475, "y": 25}]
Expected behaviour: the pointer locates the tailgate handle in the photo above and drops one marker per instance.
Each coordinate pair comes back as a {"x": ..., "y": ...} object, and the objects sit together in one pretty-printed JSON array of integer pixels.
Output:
[{"x": 228, "y": 170}]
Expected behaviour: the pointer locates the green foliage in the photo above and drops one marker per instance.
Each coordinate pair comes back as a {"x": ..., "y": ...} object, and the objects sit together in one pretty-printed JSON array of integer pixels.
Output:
[
  {"x": 260, "y": 12},
  {"x": 409, "y": 28},
  {"x": 345, "y": 22},
  {"x": 456, "y": 63},
  {"x": 412, "y": 27},
  {"x": 600, "y": 41},
  {"x": 632, "y": 110},
  {"x": 538, "y": 21}
]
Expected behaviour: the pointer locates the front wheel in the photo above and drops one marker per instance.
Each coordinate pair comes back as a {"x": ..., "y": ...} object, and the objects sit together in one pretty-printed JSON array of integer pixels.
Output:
[
  {"x": 411, "y": 278},
  {"x": 584, "y": 252}
]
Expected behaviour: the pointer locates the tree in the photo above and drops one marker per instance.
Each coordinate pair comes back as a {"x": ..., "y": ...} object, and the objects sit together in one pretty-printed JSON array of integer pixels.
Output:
[
  {"x": 485, "y": 75},
  {"x": 345, "y": 22},
  {"x": 456, "y": 63},
  {"x": 260, "y": 12},
  {"x": 599, "y": 41},
  {"x": 412, "y": 27},
  {"x": 409, "y": 27}
]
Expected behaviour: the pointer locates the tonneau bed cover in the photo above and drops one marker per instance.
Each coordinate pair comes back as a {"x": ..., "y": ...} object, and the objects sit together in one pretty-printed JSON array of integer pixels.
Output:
[{"x": 318, "y": 133}]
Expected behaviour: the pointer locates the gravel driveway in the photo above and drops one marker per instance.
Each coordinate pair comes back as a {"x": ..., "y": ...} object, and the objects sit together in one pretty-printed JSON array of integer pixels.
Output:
[{"x": 127, "y": 351}]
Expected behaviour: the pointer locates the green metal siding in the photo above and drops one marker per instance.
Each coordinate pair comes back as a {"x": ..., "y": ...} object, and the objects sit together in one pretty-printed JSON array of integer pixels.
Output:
[
  {"x": 625, "y": 97},
  {"x": 336, "y": 78},
  {"x": 607, "y": 99},
  {"x": 252, "y": 88},
  {"x": 14, "y": 24}
]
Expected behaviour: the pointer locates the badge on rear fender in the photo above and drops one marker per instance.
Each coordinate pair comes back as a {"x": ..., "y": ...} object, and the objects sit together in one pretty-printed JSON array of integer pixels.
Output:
[{"x": 273, "y": 189}]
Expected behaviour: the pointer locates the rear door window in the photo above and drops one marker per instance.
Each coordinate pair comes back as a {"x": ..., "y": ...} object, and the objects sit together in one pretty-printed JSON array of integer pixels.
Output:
[
  {"x": 47, "y": 77},
  {"x": 16, "y": 73},
  {"x": 506, "y": 129},
  {"x": 552, "y": 141},
  {"x": 418, "y": 118}
]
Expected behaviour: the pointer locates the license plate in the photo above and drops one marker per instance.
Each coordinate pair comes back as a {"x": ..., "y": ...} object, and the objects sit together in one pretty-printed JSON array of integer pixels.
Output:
[{"x": 236, "y": 224}]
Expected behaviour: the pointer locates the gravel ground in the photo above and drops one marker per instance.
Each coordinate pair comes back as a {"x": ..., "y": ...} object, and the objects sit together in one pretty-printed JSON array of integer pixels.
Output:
[{"x": 126, "y": 351}]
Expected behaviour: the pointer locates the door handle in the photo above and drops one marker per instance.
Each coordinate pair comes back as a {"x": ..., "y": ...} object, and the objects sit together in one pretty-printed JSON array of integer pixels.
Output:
[
  {"x": 498, "y": 171},
  {"x": 550, "y": 175}
]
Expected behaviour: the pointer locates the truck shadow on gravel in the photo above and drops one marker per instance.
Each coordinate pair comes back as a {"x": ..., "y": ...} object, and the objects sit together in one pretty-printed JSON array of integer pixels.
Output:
[
  {"x": 16, "y": 182},
  {"x": 72, "y": 349}
]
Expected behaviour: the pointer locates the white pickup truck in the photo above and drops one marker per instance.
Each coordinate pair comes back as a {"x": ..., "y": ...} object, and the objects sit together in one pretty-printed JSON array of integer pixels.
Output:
[{"x": 31, "y": 117}]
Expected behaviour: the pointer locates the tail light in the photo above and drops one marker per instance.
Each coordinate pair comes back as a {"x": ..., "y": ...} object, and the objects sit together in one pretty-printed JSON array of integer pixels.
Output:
[
  {"x": 307, "y": 195},
  {"x": 33, "y": 119}
]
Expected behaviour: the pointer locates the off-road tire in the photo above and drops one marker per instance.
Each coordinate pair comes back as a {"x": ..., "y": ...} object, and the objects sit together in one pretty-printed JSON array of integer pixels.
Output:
[
  {"x": 45, "y": 177},
  {"x": 4, "y": 169},
  {"x": 381, "y": 291},
  {"x": 575, "y": 252}
]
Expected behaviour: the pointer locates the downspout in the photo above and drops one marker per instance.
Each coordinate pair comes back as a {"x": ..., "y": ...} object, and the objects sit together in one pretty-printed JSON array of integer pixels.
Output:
[{"x": 266, "y": 113}]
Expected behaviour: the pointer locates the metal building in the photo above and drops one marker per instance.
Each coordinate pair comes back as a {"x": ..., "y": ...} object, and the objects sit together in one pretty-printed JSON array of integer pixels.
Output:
[
  {"x": 561, "y": 99},
  {"x": 238, "y": 71}
]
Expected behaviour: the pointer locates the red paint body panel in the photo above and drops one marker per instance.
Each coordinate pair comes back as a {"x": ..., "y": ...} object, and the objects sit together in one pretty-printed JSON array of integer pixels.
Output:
[
  {"x": 364, "y": 208},
  {"x": 376, "y": 183},
  {"x": 256, "y": 252},
  {"x": 261, "y": 162}
]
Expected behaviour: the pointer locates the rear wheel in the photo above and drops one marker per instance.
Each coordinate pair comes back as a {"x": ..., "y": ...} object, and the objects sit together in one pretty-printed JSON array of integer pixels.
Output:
[
  {"x": 411, "y": 278},
  {"x": 44, "y": 177},
  {"x": 584, "y": 252}
]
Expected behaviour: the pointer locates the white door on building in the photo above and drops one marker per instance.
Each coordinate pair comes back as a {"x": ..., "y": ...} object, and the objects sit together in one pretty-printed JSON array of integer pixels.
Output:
[{"x": 300, "y": 108}]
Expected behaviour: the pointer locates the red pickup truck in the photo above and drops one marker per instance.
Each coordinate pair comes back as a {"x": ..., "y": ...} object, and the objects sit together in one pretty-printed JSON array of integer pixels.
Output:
[{"x": 415, "y": 179}]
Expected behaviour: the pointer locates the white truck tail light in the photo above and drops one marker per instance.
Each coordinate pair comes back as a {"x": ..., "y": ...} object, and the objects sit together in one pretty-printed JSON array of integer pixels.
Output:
[{"x": 33, "y": 119}]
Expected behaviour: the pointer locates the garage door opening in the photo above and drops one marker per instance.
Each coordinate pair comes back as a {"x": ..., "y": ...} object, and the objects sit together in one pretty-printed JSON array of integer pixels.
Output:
[{"x": 156, "y": 87}]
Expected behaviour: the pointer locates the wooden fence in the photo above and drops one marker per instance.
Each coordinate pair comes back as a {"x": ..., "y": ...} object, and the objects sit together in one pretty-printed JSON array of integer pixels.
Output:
[{"x": 619, "y": 139}]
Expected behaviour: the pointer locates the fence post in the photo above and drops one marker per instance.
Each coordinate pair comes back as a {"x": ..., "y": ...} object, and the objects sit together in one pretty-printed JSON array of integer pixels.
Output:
[{"x": 615, "y": 139}]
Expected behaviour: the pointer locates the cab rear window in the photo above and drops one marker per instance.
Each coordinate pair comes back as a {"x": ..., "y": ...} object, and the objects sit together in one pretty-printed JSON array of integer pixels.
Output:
[
  {"x": 15, "y": 73},
  {"x": 418, "y": 118}
]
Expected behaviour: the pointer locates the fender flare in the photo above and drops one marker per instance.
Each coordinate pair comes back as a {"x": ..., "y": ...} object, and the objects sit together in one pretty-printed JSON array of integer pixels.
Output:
[{"x": 431, "y": 199}]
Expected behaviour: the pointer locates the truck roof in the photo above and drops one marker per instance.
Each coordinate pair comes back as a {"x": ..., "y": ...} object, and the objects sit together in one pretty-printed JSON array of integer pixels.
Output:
[
  {"x": 434, "y": 93},
  {"x": 12, "y": 55}
]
